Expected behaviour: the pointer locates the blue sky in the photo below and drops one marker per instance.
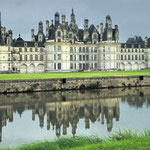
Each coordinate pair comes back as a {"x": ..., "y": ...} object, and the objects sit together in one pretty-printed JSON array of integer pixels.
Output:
[{"x": 132, "y": 16}]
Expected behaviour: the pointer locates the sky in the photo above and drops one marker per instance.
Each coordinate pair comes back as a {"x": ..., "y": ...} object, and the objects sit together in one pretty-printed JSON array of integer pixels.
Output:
[{"x": 132, "y": 16}]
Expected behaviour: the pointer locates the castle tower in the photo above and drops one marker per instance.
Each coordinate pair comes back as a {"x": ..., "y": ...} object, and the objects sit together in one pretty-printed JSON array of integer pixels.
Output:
[
  {"x": 146, "y": 41},
  {"x": 108, "y": 22},
  {"x": 116, "y": 34},
  {"x": 86, "y": 26},
  {"x": 73, "y": 20},
  {"x": 47, "y": 29},
  {"x": 32, "y": 35},
  {"x": 63, "y": 19},
  {"x": 102, "y": 32},
  {"x": 9, "y": 38},
  {"x": 56, "y": 19},
  {"x": 108, "y": 28},
  {"x": 41, "y": 26}
]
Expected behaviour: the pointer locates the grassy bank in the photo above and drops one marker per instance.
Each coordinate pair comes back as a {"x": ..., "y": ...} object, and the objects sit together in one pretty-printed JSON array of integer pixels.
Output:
[
  {"x": 122, "y": 141},
  {"x": 73, "y": 75}
]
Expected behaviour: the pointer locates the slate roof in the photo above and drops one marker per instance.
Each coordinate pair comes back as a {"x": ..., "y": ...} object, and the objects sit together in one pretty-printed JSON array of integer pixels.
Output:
[
  {"x": 29, "y": 44},
  {"x": 130, "y": 45}
]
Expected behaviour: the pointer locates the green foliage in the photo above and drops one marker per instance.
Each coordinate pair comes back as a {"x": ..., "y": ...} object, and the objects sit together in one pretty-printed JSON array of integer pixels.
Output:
[
  {"x": 126, "y": 140},
  {"x": 61, "y": 75}
]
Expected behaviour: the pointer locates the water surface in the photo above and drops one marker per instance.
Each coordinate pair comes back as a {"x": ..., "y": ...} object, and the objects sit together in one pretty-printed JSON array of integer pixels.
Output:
[{"x": 26, "y": 118}]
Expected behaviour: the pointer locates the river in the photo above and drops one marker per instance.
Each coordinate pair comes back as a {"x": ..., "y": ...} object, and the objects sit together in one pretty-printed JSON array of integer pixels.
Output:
[{"x": 31, "y": 117}]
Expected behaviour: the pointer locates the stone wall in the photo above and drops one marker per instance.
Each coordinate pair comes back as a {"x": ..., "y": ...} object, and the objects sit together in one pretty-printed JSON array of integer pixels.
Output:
[{"x": 15, "y": 86}]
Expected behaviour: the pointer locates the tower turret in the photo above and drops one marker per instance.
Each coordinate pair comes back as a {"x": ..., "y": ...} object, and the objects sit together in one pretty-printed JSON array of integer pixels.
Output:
[
  {"x": 86, "y": 24},
  {"x": 108, "y": 22},
  {"x": 56, "y": 19},
  {"x": 41, "y": 26},
  {"x": 32, "y": 35},
  {"x": 108, "y": 28},
  {"x": 63, "y": 19},
  {"x": 47, "y": 29},
  {"x": 73, "y": 20},
  {"x": 102, "y": 31},
  {"x": 116, "y": 34},
  {"x": 146, "y": 41}
]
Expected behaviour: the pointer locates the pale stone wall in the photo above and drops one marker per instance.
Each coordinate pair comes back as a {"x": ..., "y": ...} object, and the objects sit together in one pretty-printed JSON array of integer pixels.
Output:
[{"x": 69, "y": 84}]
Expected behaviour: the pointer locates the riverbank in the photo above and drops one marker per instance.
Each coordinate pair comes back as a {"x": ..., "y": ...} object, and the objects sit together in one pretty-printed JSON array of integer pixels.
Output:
[
  {"x": 127, "y": 140},
  {"x": 42, "y": 85}
]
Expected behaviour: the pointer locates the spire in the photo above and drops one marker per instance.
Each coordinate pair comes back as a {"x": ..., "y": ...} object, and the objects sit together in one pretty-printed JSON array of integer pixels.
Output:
[{"x": 72, "y": 11}]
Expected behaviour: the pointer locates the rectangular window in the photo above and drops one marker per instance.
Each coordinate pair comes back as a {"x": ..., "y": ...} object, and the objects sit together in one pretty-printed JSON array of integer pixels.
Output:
[
  {"x": 83, "y": 49},
  {"x": 54, "y": 56},
  {"x": 20, "y": 49},
  {"x": 95, "y": 57},
  {"x": 36, "y": 57},
  {"x": 59, "y": 66},
  {"x": 121, "y": 57},
  {"x": 80, "y": 66},
  {"x": 142, "y": 57},
  {"x": 95, "y": 65},
  {"x": 128, "y": 57},
  {"x": 80, "y": 50},
  {"x": 41, "y": 57},
  {"x": 91, "y": 49},
  {"x": 30, "y": 49},
  {"x": 59, "y": 56},
  {"x": 87, "y": 57},
  {"x": 31, "y": 58},
  {"x": 74, "y": 66},
  {"x": 87, "y": 50},
  {"x": 91, "y": 57},
  {"x": 26, "y": 57},
  {"x": 135, "y": 57},
  {"x": 71, "y": 66},
  {"x": 75, "y": 58},
  {"x": 83, "y": 57},
  {"x": 36, "y": 49},
  {"x": 71, "y": 49},
  {"x": 95, "y": 50},
  {"x": 20, "y": 57},
  {"x": 75, "y": 50},
  {"x": 25, "y": 49},
  {"x": 55, "y": 66},
  {"x": 80, "y": 57},
  {"x": 41, "y": 49},
  {"x": 71, "y": 58}
]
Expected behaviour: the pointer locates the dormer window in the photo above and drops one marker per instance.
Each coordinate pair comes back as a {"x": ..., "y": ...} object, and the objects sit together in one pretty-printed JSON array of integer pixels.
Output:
[
  {"x": 36, "y": 44},
  {"x": 25, "y": 44},
  {"x": 139, "y": 46}
]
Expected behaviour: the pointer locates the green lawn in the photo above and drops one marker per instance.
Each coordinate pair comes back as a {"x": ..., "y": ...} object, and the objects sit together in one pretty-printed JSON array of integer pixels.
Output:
[
  {"x": 119, "y": 141},
  {"x": 73, "y": 75}
]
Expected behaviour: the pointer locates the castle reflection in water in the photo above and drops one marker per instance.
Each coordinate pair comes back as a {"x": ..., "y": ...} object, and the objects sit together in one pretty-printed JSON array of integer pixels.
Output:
[{"x": 67, "y": 108}]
